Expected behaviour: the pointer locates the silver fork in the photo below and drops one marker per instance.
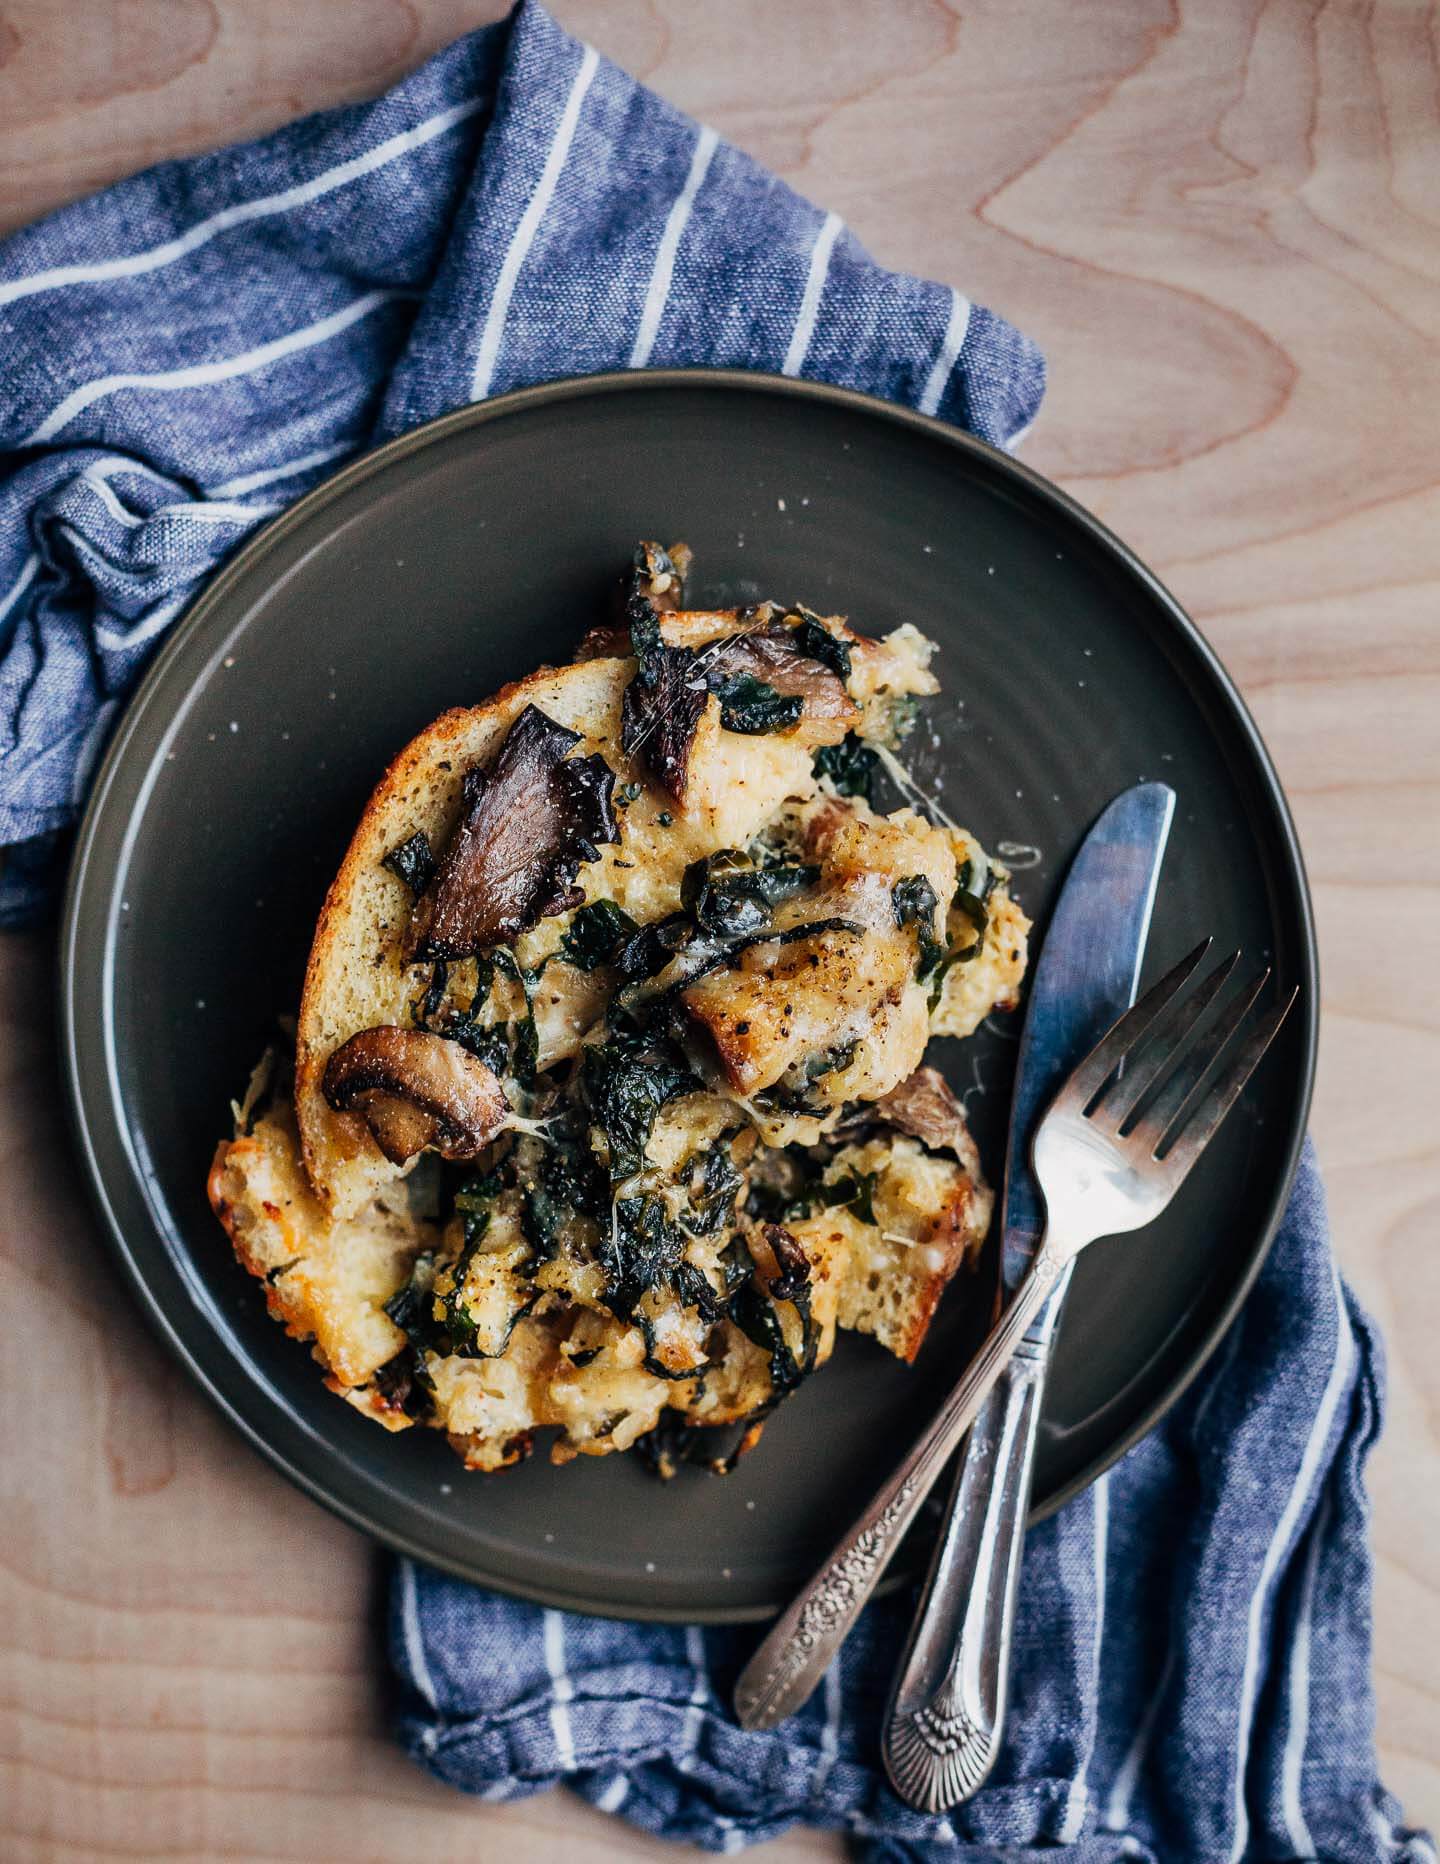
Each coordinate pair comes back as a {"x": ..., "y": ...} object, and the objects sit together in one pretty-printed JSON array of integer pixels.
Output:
[{"x": 1115, "y": 1145}]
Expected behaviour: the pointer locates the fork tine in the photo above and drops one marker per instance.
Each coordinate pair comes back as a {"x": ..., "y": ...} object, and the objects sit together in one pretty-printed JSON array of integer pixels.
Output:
[
  {"x": 1194, "y": 1126},
  {"x": 1186, "y": 1072},
  {"x": 1112, "y": 1048},
  {"x": 1163, "y": 1043}
]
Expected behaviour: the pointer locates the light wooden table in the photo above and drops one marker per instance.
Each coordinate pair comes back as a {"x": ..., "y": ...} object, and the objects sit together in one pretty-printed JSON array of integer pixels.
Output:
[{"x": 1224, "y": 228}]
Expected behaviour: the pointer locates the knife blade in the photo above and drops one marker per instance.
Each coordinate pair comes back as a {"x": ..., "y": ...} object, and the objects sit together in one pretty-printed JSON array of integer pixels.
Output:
[
  {"x": 947, "y": 1708},
  {"x": 1087, "y": 975}
]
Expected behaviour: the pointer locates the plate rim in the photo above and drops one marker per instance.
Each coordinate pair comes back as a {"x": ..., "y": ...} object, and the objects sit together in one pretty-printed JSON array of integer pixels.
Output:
[{"x": 87, "y": 885}]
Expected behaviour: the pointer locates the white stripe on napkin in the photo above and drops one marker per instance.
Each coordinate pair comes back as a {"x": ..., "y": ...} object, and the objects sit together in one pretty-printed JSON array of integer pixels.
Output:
[
  {"x": 1297, "y": 1717},
  {"x": 564, "y": 1692},
  {"x": 524, "y": 234},
  {"x": 252, "y": 481},
  {"x": 659, "y": 291},
  {"x": 1079, "y": 1795},
  {"x": 414, "y": 1642},
  {"x": 614, "y": 1796},
  {"x": 699, "y": 1692},
  {"x": 243, "y": 211},
  {"x": 1117, "y": 1806},
  {"x": 214, "y": 511},
  {"x": 20, "y": 585},
  {"x": 829, "y": 1732},
  {"x": 804, "y": 329},
  {"x": 118, "y": 640},
  {"x": 1285, "y": 1528},
  {"x": 197, "y": 375},
  {"x": 950, "y": 348}
]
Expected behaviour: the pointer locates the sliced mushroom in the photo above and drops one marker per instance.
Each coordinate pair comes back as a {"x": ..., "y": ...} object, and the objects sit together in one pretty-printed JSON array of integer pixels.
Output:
[
  {"x": 526, "y": 824},
  {"x": 662, "y": 709},
  {"x": 773, "y": 655},
  {"x": 667, "y": 696},
  {"x": 924, "y": 1106},
  {"x": 414, "y": 1090}
]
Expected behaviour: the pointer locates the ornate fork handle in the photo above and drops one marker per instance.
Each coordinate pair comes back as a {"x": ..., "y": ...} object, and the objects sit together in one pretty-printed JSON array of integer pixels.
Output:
[
  {"x": 947, "y": 1707},
  {"x": 784, "y": 1671}
]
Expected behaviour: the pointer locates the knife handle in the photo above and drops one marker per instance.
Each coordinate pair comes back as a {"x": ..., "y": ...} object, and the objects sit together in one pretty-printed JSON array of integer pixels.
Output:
[
  {"x": 946, "y": 1712},
  {"x": 797, "y": 1651}
]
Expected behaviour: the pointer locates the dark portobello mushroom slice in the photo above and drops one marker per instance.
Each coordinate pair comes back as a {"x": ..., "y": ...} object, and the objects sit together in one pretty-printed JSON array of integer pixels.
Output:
[
  {"x": 413, "y": 1090},
  {"x": 925, "y": 1107},
  {"x": 776, "y": 656},
  {"x": 666, "y": 697},
  {"x": 768, "y": 678},
  {"x": 526, "y": 825}
]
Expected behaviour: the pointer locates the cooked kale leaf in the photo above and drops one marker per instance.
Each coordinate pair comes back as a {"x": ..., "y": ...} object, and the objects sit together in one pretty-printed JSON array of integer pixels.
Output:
[
  {"x": 850, "y": 766},
  {"x": 816, "y": 641},
  {"x": 413, "y": 862},
  {"x": 627, "y": 1081},
  {"x": 855, "y": 1191},
  {"x": 794, "y": 1096},
  {"x": 638, "y": 1252},
  {"x": 664, "y": 701},
  {"x": 650, "y": 948},
  {"x": 567, "y": 1183},
  {"x": 410, "y": 1307},
  {"x": 749, "y": 706},
  {"x": 728, "y": 895},
  {"x": 595, "y": 933},
  {"x": 915, "y": 903},
  {"x": 713, "y": 1204}
]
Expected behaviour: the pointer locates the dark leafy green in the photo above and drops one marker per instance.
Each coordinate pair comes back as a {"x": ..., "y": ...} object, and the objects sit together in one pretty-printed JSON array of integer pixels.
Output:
[
  {"x": 566, "y": 1183},
  {"x": 850, "y": 766},
  {"x": 754, "y": 1312},
  {"x": 435, "y": 991},
  {"x": 595, "y": 934},
  {"x": 727, "y": 894},
  {"x": 915, "y": 903},
  {"x": 749, "y": 706},
  {"x": 795, "y": 1096},
  {"x": 403, "y": 1384},
  {"x": 413, "y": 862},
  {"x": 651, "y": 947},
  {"x": 712, "y": 1206},
  {"x": 695, "y": 1291},
  {"x": 664, "y": 701},
  {"x": 442, "y": 1323},
  {"x": 524, "y": 1036},
  {"x": 639, "y": 1251},
  {"x": 816, "y": 642},
  {"x": 853, "y": 1191},
  {"x": 627, "y": 1080}
]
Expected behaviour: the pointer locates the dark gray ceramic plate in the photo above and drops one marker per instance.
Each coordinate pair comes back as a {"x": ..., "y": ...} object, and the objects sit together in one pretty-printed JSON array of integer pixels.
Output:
[{"x": 457, "y": 558}]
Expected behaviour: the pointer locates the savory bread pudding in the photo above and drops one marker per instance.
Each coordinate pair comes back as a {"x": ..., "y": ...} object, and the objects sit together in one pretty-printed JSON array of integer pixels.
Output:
[{"x": 608, "y": 1103}]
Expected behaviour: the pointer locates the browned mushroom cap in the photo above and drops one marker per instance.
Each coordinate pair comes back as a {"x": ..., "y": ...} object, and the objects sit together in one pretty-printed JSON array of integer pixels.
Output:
[
  {"x": 924, "y": 1106},
  {"x": 666, "y": 698},
  {"x": 773, "y": 655},
  {"x": 526, "y": 825},
  {"x": 415, "y": 1090}
]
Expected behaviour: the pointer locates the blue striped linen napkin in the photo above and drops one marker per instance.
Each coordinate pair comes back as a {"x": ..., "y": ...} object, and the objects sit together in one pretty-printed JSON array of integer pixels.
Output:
[{"x": 190, "y": 351}]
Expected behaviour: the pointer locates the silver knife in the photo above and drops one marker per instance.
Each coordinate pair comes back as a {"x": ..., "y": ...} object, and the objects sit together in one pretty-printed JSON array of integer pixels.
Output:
[{"x": 943, "y": 1725}]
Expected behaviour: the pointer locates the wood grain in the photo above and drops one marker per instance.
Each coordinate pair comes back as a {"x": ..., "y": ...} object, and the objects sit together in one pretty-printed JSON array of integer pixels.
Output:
[{"x": 1223, "y": 225}]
